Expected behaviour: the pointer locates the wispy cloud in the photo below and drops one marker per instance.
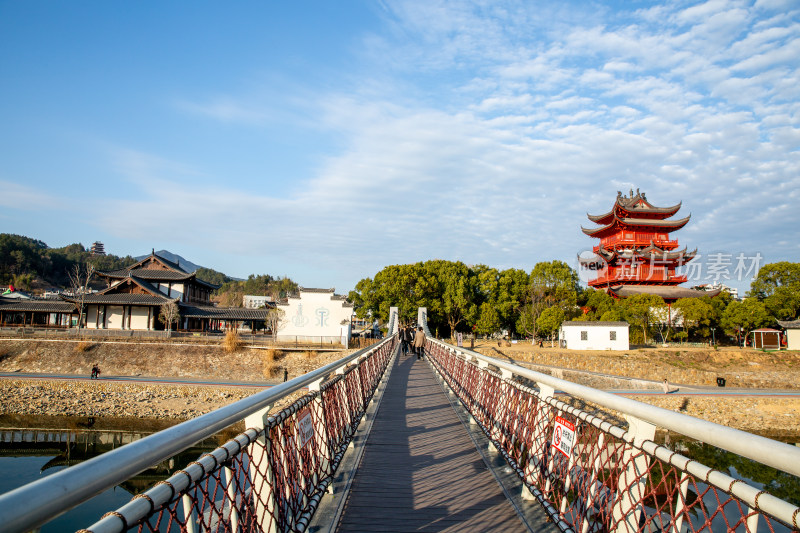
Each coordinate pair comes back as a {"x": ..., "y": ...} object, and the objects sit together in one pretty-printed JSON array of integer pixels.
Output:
[{"x": 486, "y": 131}]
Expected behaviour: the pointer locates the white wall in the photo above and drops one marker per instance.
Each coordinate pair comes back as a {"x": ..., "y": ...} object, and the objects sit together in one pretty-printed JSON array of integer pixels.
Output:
[
  {"x": 176, "y": 291},
  {"x": 314, "y": 314},
  {"x": 792, "y": 339},
  {"x": 598, "y": 337},
  {"x": 91, "y": 317},
  {"x": 114, "y": 317},
  {"x": 139, "y": 318}
]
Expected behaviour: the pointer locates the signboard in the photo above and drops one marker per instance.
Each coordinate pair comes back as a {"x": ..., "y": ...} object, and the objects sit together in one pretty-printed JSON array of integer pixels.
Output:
[
  {"x": 564, "y": 436},
  {"x": 460, "y": 339},
  {"x": 305, "y": 427}
]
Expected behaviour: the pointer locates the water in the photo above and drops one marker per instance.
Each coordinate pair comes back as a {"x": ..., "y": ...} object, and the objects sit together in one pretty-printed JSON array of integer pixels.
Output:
[{"x": 29, "y": 454}]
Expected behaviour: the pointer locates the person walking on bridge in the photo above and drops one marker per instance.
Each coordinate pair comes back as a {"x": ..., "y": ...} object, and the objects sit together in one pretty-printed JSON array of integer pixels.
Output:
[
  {"x": 407, "y": 336},
  {"x": 419, "y": 343}
]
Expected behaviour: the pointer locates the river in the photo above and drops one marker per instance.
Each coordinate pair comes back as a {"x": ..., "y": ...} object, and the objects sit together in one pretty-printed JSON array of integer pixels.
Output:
[
  {"x": 35, "y": 447},
  {"x": 49, "y": 444}
]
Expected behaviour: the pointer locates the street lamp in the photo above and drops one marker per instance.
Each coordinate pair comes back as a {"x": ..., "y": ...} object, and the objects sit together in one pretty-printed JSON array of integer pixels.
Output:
[{"x": 713, "y": 340}]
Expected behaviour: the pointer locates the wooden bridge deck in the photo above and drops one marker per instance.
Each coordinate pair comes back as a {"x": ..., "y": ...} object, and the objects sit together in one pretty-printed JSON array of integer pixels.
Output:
[{"x": 420, "y": 470}]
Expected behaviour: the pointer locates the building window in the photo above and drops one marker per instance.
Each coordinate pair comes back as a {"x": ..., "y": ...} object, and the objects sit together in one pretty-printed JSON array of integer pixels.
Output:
[
  {"x": 612, "y": 335},
  {"x": 584, "y": 335}
]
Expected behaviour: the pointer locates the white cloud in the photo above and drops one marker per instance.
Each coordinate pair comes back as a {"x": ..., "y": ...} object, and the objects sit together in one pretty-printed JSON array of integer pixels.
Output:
[{"x": 481, "y": 133}]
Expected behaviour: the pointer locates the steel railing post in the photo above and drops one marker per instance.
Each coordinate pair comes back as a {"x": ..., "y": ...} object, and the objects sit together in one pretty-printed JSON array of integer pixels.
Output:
[
  {"x": 632, "y": 483},
  {"x": 231, "y": 490},
  {"x": 321, "y": 432},
  {"x": 262, "y": 477}
]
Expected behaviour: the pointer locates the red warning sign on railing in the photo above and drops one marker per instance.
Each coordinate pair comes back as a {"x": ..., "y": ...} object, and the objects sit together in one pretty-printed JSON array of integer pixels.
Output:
[
  {"x": 564, "y": 436},
  {"x": 306, "y": 427}
]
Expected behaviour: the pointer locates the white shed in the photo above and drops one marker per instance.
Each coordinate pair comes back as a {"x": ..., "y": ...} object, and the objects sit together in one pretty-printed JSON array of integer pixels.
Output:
[
  {"x": 583, "y": 335},
  {"x": 792, "y": 328}
]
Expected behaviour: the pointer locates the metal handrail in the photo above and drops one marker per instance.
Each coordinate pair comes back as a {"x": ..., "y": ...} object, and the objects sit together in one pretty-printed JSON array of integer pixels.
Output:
[
  {"x": 778, "y": 455},
  {"x": 34, "y": 504}
]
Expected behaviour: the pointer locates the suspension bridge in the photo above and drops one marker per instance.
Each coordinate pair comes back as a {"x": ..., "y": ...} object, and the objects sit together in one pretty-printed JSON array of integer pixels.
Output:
[{"x": 382, "y": 441}]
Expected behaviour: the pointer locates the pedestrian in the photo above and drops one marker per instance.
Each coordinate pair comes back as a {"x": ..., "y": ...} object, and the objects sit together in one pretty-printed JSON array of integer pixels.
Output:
[
  {"x": 408, "y": 337},
  {"x": 419, "y": 343},
  {"x": 285, "y": 374}
]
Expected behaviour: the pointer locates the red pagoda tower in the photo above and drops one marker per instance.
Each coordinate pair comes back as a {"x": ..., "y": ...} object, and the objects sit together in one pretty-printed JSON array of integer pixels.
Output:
[{"x": 637, "y": 250}]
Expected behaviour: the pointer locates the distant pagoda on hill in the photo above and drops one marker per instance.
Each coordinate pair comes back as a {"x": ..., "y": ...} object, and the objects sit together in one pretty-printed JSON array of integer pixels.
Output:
[{"x": 638, "y": 253}]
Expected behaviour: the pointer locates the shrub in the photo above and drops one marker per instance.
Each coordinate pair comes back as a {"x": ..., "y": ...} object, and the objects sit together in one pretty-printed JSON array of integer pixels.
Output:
[
  {"x": 232, "y": 343},
  {"x": 83, "y": 347}
]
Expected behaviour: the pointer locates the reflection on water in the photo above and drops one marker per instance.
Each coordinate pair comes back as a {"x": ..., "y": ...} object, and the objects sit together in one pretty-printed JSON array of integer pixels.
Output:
[
  {"x": 779, "y": 484},
  {"x": 30, "y": 453}
]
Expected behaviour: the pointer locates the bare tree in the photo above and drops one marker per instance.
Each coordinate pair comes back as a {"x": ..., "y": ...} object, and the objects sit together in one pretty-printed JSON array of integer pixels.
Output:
[
  {"x": 170, "y": 312},
  {"x": 274, "y": 320},
  {"x": 79, "y": 278}
]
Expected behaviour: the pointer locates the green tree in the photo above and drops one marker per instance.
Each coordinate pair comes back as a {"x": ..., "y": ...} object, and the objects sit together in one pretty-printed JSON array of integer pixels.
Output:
[
  {"x": 778, "y": 286},
  {"x": 550, "y": 321},
  {"x": 550, "y": 284},
  {"x": 509, "y": 296},
  {"x": 459, "y": 293},
  {"x": 641, "y": 310},
  {"x": 598, "y": 302},
  {"x": 488, "y": 320},
  {"x": 696, "y": 312},
  {"x": 742, "y": 317}
]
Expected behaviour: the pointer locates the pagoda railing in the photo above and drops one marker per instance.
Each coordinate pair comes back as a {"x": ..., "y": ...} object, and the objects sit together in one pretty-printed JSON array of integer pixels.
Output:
[
  {"x": 639, "y": 239},
  {"x": 591, "y": 460},
  {"x": 621, "y": 277}
]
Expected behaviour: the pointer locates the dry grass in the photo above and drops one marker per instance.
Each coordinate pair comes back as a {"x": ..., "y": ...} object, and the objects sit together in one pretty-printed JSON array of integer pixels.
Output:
[
  {"x": 269, "y": 364},
  {"x": 232, "y": 343},
  {"x": 310, "y": 355},
  {"x": 83, "y": 347}
]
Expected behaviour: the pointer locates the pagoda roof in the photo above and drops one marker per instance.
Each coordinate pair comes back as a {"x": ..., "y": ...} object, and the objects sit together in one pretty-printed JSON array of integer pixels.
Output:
[
  {"x": 666, "y": 292},
  {"x": 651, "y": 252},
  {"x": 634, "y": 206},
  {"x": 621, "y": 223}
]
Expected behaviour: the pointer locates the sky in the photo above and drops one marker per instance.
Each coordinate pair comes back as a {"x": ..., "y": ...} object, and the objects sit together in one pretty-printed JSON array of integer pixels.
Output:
[{"x": 325, "y": 140}]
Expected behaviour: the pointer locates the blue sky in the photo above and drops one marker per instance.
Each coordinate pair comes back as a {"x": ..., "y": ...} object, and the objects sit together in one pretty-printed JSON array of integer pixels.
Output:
[{"x": 325, "y": 140}]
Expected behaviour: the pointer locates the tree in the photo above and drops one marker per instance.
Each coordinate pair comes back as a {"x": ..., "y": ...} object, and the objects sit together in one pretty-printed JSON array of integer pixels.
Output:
[
  {"x": 598, "y": 302},
  {"x": 639, "y": 310},
  {"x": 79, "y": 278},
  {"x": 550, "y": 321},
  {"x": 509, "y": 296},
  {"x": 168, "y": 314},
  {"x": 459, "y": 289},
  {"x": 550, "y": 284},
  {"x": 778, "y": 286},
  {"x": 696, "y": 312},
  {"x": 488, "y": 320},
  {"x": 742, "y": 317},
  {"x": 274, "y": 320}
]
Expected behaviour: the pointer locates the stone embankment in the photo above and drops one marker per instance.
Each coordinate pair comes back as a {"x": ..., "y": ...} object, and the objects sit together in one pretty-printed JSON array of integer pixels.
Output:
[{"x": 108, "y": 399}]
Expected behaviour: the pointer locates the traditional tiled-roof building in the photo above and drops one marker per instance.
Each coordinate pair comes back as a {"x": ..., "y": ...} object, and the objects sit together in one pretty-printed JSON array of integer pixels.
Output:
[{"x": 135, "y": 295}]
